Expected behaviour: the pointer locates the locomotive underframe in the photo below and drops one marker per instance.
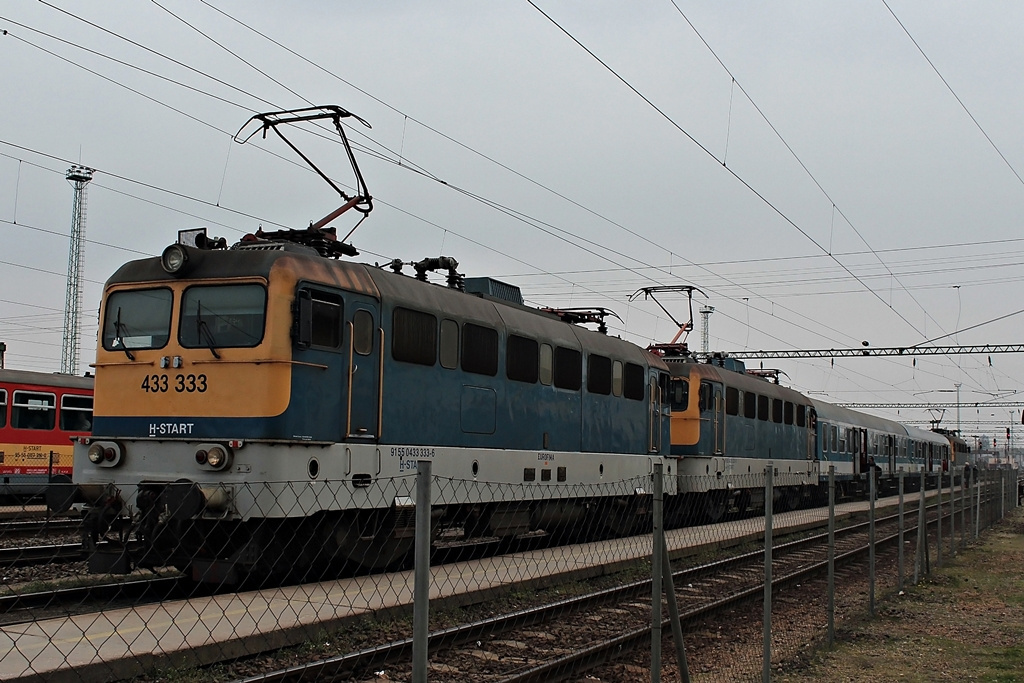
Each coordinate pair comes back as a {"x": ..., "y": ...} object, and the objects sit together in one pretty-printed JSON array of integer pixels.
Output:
[{"x": 272, "y": 512}]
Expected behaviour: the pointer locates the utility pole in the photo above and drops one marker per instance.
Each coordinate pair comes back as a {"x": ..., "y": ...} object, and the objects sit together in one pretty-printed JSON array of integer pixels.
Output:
[
  {"x": 80, "y": 177},
  {"x": 957, "y": 385}
]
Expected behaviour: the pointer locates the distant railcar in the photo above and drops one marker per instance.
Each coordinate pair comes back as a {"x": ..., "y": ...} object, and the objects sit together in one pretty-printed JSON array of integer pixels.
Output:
[
  {"x": 40, "y": 414},
  {"x": 728, "y": 422}
]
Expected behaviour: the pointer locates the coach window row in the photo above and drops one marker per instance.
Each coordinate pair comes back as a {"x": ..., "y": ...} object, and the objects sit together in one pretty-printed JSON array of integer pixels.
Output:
[
  {"x": 38, "y": 411},
  {"x": 417, "y": 338},
  {"x": 835, "y": 439},
  {"x": 759, "y": 407}
]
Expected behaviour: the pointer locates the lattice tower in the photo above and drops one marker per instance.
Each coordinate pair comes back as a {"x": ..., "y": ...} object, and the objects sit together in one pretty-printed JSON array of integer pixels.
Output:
[
  {"x": 705, "y": 313},
  {"x": 80, "y": 177}
]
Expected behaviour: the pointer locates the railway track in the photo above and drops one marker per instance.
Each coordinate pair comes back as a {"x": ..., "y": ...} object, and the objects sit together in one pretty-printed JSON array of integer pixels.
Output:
[{"x": 564, "y": 638}]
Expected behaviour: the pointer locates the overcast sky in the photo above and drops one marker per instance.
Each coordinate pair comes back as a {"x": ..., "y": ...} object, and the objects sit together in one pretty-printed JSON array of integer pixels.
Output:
[{"x": 828, "y": 173}]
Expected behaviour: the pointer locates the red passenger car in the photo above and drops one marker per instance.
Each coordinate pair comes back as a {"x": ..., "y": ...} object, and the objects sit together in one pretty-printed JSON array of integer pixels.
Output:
[{"x": 40, "y": 414}]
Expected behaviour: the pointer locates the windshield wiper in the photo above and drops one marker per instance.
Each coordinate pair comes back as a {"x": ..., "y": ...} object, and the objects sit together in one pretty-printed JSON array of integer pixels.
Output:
[
  {"x": 119, "y": 330},
  {"x": 203, "y": 330}
]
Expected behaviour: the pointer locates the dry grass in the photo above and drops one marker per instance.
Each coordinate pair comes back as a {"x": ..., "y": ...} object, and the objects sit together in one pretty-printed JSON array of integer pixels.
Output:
[{"x": 964, "y": 622}]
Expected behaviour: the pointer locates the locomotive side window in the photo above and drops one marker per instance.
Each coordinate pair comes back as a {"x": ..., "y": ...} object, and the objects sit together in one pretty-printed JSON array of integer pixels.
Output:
[
  {"x": 834, "y": 442},
  {"x": 599, "y": 374},
  {"x": 547, "y": 365},
  {"x": 633, "y": 384},
  {"x": 521, "y": 359},
  {"x": 479, "y": 349},
  {"x": 732, "y": 401},
  {"x": 617, "y": 378},
  {"x": 801, "y": 416},
  {"x": 750, "y": 405},
  {"x": 33, "y": 410},
  {"x": 449, "y": 344},
  {"x": 777, "y": 410},
  {"x": 787, "y": 412},
  {"x": 680, "y": 394},
  {"x": 76, "y": 413},
  {"x": 3, "y": 407},
  {"x": 762, "y": 408},
  {"x": 568, "y": 368},
  {"x": 137, "y": 319},
  {"x": 843, "y": 440},
  {"x": 219, "y": 316},
  {"x": 414, "y": 337},
  {"x": 362, "y": 332}
]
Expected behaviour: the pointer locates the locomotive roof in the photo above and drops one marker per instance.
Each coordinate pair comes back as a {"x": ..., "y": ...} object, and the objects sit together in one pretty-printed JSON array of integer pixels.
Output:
[
  {"x": 55, "y": 379},
  {"x": 260, "y": 258},
  {"x": 516, "y": 318}
]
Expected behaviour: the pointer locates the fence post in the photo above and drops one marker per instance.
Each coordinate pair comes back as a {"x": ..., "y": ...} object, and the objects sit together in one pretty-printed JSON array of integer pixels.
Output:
[
  {"x": 670, "y": 589},
  {"x": 899, "y": 580},
  {"x": 766, "y": 665},
  {"x": 657, "y": 559},
  {"x": 871, "y": 543},
  {"x": 977, "y": 506},
  {"x": 952, "y": 512},
  {"x": 938, "y": 522},
  {"x": 831, "y": 555},
  {"x": 963, "y": 508},
  {"x": 1002, "y": 493},
  {"x": 421, "y": 574},
  {"x": 919, "y": 557}
]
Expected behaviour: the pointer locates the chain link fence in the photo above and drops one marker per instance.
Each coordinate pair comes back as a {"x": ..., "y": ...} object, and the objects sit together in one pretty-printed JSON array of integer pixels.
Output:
[{"x": 352, "y": 577}]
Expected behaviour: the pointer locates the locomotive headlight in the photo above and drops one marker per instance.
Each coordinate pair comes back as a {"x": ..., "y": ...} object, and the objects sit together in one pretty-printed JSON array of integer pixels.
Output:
[
  {"x": 105, "y": 454},
  {"x": 216, "y": 457},
  {"x": 174, "y": 258}
]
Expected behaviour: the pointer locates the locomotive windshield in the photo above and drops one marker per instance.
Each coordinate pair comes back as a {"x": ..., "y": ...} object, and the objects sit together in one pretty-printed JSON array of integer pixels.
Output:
[
  {"x": 137, "y": 319},
  {"x": 218, "y": 316}
]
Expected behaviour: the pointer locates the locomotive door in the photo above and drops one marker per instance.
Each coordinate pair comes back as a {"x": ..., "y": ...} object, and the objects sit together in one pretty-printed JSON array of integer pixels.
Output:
[
  {"x": 362, "y": 404},
  {"x": 719, "y": 421}
]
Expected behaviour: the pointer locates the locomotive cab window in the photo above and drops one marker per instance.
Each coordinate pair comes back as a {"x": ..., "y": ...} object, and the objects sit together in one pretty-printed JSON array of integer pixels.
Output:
[
  {"x": 680, "y": 393},
  {"x": 320, "y": 319},
  {"x": 521, "y": 359},
  {"x": 33, "y": 410},
  {"x": 801, "y": 416},
  {"x": 704, "y": 397},
  {"x": 222, "y": 316},
  {"x": 3, "y": 407},
  {"x": 479, "y": 349},
  {"x": 414, "y": 337},
  {"x": 599, "y": 374},
  {"x": 137, "y": 319},
  {"x": 76, "y": 413}
]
